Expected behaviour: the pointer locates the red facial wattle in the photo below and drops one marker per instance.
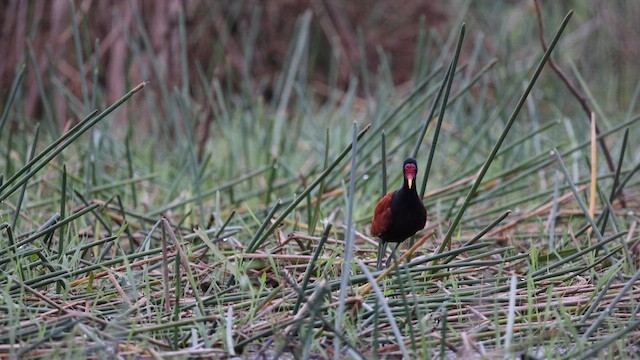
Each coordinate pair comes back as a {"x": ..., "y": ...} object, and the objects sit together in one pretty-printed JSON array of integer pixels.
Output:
[{"x": 410, "y": 174}]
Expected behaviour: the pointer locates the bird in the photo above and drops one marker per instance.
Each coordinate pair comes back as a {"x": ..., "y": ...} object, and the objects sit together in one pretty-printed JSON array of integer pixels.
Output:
[{"x": 399, "y": 214}]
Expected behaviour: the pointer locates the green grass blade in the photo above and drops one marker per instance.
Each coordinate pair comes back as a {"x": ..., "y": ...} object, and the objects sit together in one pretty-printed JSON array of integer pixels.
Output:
[
  {"x": 64, "y": 141},
  {"x": 304, "y": 193},
  {"x": 349, "y": 243},
  {"x": 449, "y": 81},
  {"x": 17, "y": 81},
  {"x": 503, "y": 135}
]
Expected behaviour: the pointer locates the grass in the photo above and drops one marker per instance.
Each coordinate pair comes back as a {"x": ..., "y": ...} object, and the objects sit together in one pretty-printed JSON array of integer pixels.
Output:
[{"x": 216, "y": 223}]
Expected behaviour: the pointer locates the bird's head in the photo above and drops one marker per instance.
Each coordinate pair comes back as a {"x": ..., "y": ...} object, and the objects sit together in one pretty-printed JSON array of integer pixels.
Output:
[{"x": 410, "y": 169}]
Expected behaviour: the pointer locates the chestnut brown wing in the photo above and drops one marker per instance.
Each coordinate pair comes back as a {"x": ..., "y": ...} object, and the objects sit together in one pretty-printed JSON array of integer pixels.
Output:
[{"x": 382, "y": 216}]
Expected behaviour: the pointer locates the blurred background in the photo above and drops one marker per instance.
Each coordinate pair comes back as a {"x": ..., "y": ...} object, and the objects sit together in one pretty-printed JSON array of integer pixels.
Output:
[{"x": 244, "y": 47}]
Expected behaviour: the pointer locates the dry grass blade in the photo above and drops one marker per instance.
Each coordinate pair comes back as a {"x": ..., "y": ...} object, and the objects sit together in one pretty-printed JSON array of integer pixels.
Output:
[
  {"x": 365, "y": 289},
  {"x": 385, "y": 307},
  {"x": 594, "y": 170}
]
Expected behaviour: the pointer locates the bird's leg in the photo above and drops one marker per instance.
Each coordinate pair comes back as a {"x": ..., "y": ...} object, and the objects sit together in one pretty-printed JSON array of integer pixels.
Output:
[
  {"x": 393, "y": 254},
  {"x": 382, "y": 248}
]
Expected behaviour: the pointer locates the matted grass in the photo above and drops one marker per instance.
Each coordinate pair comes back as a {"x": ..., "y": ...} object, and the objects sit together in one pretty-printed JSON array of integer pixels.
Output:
[{"x": 156, "y": 241}]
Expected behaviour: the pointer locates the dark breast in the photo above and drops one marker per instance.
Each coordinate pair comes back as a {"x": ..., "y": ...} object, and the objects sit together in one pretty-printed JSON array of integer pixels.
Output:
[{"x": 409, "y": 217}]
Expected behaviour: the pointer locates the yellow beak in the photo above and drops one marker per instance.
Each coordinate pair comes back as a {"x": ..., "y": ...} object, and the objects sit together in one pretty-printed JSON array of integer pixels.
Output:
[{"x": 410, "y": 183}]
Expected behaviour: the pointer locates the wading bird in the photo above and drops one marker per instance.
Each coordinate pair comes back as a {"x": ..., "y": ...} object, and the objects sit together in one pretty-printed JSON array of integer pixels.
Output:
[{"x": 399, "y": 214}]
